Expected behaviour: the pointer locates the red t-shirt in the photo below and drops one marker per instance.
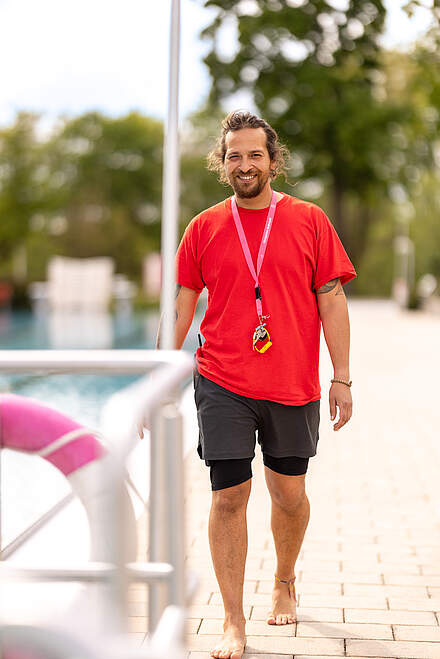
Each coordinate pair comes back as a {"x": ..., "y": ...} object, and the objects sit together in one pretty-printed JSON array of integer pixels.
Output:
[{"x": 303, "y": 253}]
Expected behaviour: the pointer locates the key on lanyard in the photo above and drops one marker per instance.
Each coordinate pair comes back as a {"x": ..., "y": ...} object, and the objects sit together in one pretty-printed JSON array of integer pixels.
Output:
[{"x": 261, "y": 334}]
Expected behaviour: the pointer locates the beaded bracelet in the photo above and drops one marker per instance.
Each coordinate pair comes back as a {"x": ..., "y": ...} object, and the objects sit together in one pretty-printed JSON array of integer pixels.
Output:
[{"x": 342, "y": 382}]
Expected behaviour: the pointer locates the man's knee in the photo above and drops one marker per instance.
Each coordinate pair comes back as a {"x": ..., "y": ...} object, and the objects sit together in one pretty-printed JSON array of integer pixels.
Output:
[
  {"x": 288, "y": 492},
  {"x": 231, "y": 500}
]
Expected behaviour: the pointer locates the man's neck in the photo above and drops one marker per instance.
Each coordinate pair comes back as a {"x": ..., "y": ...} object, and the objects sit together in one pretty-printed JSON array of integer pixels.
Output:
[{"x": 260, "y": 201}]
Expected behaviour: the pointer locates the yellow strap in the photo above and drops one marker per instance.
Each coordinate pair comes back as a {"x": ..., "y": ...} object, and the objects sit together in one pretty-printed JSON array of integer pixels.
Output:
[{"x": 265, "y": 347}]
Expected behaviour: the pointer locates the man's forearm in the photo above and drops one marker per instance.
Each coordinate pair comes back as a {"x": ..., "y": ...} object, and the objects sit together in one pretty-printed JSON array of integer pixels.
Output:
[
  {"x": 336, "y": 326},
  {"x": 180, "y": 331},
  {"x": 186, "y": 300}
]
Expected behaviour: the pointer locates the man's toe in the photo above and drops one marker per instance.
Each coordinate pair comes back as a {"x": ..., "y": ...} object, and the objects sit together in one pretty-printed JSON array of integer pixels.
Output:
[
  {"x": 237, "y": 654},
  {"x": 291, "y": 619},
  {"x": 271, "y": 620}
]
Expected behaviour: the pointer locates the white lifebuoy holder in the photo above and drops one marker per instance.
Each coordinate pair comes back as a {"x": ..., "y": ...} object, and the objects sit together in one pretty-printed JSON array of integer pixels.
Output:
[{"x": 28, "y": 426}]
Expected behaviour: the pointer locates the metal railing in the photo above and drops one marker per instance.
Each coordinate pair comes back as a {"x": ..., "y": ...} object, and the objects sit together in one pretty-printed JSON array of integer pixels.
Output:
[{"x": 156, "y": 406}]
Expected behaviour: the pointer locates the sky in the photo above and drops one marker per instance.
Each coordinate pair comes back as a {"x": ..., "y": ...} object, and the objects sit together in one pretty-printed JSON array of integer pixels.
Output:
[{"x": 66, "y": 58}]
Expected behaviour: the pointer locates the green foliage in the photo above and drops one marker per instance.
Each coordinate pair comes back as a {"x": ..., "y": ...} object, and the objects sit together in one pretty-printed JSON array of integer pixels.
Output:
[
  {"x": 320, "y": 76},
  {"x": 375, "y": 269},
  {"x": 20, "y": 194},
  {"x": 199, "y": 188},
  {"x": 93, "y": 188},
  {"x": 425, "y": 226},
  {"x": 362, "y": 124},
  {"x": 110, "y": 172}
]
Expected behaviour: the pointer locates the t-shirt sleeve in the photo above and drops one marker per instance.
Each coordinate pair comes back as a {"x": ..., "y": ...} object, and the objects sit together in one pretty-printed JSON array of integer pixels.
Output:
[
  {"x": 188, "y": 271},
  {"x": 332, "y": 261}
]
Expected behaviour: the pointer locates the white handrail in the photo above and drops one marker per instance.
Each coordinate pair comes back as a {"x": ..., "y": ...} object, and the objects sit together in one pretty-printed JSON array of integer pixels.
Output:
[
  {"x": 137, "y": 362},
  {"x": 88, "y": 361},
  {"x": 168, "y": 562}
]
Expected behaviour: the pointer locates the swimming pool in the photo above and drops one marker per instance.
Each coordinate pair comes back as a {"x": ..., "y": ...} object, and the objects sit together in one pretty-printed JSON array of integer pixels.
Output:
[
  {"x": 79, "y": 396},
  {"x": 29, "y": 486}
]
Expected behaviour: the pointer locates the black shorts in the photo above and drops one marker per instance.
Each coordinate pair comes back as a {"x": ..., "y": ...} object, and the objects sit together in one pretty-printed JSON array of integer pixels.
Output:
[{"x": 228, "y": 421}]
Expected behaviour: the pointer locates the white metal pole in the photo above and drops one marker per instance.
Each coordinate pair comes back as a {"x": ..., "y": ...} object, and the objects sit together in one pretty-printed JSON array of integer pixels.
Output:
[
  {"x": 167, "y": 519},
  {"x": 173, "y": 438},
  {"x": 158, "y": 593},
  {"x": 170, "y": 193}
]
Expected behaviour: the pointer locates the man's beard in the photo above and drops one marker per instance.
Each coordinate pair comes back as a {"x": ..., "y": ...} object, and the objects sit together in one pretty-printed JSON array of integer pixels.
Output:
[{"x": 248, "y": 190}]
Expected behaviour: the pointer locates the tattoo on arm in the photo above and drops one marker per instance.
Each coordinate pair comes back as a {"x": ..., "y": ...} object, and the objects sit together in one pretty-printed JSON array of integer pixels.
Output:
[{"x": 330, "y": 286}]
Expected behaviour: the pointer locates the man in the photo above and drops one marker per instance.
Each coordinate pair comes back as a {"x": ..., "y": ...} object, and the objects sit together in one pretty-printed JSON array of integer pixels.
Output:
[{"x": 274, "y": 269}]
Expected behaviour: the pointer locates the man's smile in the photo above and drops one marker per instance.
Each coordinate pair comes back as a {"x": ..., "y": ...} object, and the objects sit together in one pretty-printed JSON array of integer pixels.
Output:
[{"x": 248, "y": 177}]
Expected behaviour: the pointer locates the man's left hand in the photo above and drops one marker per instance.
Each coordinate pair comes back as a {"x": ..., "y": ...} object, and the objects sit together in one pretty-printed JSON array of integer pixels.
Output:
[{"x": 340, "y": 397}]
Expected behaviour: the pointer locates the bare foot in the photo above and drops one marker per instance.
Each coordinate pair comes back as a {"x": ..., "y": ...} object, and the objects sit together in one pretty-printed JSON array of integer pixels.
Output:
[
  {"x": 283, "y": 605},
  {"x": 233, "y": 641}
]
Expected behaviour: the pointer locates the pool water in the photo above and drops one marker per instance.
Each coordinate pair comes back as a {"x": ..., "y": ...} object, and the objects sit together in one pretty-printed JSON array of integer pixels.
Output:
[
  {"x": 28, "y": 485},
  {"x": 79, "y": 396}
]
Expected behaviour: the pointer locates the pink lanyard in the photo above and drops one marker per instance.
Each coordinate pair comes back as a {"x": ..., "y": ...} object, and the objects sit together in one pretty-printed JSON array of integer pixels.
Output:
[{"x": 261, "y": 251}]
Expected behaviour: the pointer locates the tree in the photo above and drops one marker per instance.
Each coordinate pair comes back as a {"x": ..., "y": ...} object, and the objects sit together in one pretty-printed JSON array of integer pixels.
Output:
[
  {"x": 199, "y": 187},
  {"x": 315, "y": 71},
  {"x": 103, "y": 185},
  {"x": 20, "y": 194},
  {"x": 93, "y": 188}
]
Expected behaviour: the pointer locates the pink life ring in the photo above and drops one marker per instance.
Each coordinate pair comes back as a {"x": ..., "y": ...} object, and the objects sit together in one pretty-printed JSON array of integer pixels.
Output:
[{"x": 27, "y": 425}]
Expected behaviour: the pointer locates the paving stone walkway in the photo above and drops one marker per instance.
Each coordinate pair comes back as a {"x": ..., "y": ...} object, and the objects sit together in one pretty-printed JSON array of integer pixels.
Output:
[{"x": 368, "y": 576}]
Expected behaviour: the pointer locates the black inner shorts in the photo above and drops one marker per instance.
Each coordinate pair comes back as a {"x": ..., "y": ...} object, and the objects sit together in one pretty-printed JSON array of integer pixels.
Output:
[
  {"x": 227, "y": 473},
  {"x": 288, "y": 434}
]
